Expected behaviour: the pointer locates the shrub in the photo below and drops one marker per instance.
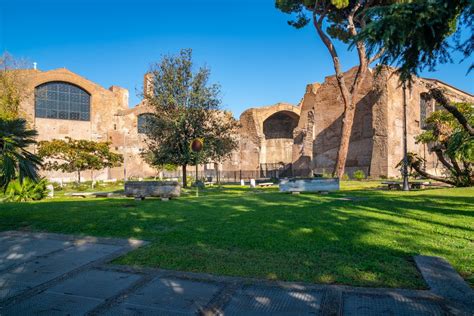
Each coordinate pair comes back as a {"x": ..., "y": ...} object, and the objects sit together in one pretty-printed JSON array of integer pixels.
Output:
[
  {"x": 326, "y": 174},
  {"x": 345, "y": 177},
  {"x": 80, "y": 187},
  {"x": 28, "y": 190},
  {"x": 359, "y": 175},
  {"x": 57, "y": 186}
]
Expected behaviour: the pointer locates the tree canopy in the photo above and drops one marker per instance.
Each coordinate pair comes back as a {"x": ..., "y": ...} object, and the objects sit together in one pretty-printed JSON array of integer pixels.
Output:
[
  {"x": 72, "y": 155},
  {"x": 12, "y": 87},
  {"x": 422, "y": 34},
  {"x": 414, "y": 35},
  {"x": 186, "y": 106}
]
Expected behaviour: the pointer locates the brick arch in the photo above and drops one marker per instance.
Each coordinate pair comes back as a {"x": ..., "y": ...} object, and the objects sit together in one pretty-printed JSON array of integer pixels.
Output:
[
  {"x": 281, "y": 107},
  {"x": 65, "y": 76},
  {"x": 280, "y": 125}
]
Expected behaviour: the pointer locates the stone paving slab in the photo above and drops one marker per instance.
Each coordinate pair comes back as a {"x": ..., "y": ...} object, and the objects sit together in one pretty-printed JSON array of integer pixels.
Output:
[
  {"x": 51, "y": 274},
  {"x": 95, "y": 284},
  {"x": 45, "y": 269},
  {"x": 254, "y": 300},
  {"x": 444, "y": 281},
  {"x": 375, "y": 305},
  {"x": 77, "y": 295},
  {"x": 43, "y": 259},
  {"x": 13, "y": 251},
  {"x": 168, "y": 296},
  {"x": 52, "y": 304}
]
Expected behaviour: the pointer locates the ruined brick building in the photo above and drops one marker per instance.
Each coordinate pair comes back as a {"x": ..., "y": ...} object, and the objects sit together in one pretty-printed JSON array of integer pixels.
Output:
[
  {"x": 299, "y": 140},
  {"x": 278, "y": 140}
]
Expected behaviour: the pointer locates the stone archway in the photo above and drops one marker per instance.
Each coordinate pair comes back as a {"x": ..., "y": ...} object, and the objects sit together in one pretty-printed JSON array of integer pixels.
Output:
[
  {"x": 280, "y": 125},
  {"x": 278, "y": 143}
]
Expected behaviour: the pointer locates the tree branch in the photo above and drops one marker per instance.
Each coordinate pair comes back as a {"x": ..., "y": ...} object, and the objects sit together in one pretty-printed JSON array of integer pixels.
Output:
[
  {"x": 456, "y": 166},
  {"x": 430, "y": 176},
  {"x": 335, "y": 57},
  {"x": 361, "y": 50},
  {"x": 439, "y": 154},
  {"x": 439, "y": 97},
  {"x": 377, "y": 56}
]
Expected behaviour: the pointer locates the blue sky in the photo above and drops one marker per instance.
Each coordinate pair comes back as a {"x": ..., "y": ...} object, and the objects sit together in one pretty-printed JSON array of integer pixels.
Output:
[{"x": 256, "y": 57}]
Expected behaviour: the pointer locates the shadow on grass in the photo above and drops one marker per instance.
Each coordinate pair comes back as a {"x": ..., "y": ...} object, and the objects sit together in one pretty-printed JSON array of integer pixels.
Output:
[{"x": 261, "y": 233}]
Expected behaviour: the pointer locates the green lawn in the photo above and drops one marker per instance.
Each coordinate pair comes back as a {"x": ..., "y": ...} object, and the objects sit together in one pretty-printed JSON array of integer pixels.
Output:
[{"x": 368, "y": 240}]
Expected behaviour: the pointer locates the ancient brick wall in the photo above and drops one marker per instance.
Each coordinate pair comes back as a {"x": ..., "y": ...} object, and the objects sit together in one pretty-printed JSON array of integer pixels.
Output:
[
  {"x": 305, "y": 137},
  {"x": 325, "y": 108}
]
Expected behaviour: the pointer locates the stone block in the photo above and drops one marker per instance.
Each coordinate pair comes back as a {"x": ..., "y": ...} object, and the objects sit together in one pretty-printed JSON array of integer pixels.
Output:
[
  {"x": 141, "y": 189},
  {"x": 309, "y": 185}
]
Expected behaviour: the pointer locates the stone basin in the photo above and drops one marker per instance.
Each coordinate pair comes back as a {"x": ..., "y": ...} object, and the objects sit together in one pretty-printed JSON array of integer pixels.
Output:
[
  {"x": 309, "y": 185},
  {"x": 143, "y": 189}
]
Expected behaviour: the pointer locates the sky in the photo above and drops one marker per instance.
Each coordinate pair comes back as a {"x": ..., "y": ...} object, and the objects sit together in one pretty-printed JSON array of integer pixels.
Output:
[{"x": 253, "y": 53}]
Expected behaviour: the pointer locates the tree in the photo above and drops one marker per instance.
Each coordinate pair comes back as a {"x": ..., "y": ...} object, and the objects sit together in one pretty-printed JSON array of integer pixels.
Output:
[
  {"x": 12, "y": 85},
  {"x": 16, "y": 161},
  {"x": 344, "y": 20},
  {"x": 149, "y": 158},
  {"x": 452, "y": 144},
  {"x": 415, "y": 35},
  {"x": 185, "y": 107},
  {"x": 419, "y": 34},
  {"x": 73, "y": 155},
  {"x": 221, "y": 140}
]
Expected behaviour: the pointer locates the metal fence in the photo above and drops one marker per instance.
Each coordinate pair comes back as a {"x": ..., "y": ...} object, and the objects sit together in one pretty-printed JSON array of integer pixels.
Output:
[{"x": 265, "y": 172}]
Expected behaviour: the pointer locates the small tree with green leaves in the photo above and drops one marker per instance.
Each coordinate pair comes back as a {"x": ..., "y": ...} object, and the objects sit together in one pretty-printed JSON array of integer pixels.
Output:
[
  {"x": 72, "y": 155},
  {"x": 12, "y": 86},
  {"x": 452, "y": 145},
  {"x": 186, "y": 107}
]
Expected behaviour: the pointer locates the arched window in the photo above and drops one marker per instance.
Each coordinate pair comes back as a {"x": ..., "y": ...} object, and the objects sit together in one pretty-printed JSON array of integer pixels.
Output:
[
  {"x": 426, "y": 108},
  {"x": 143, "y": 122},
  {"x": 62, "y": 100}
]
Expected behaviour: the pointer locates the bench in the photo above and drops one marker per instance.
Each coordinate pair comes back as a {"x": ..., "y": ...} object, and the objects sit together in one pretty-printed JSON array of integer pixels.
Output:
[
  {"x": 265, "y": 184},
  {"x": 397, "y": 185},
  {"x": 80, "y": 194},
  {"x": 95, "y": 194}
]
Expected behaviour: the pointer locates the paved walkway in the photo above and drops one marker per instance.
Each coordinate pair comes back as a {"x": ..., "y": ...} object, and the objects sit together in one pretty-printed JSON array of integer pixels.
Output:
[{"x": 49, "y": 274}]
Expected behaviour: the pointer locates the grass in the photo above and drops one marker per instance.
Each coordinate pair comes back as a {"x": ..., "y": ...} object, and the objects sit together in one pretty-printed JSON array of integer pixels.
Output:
[{"x": 359, "y": 236}]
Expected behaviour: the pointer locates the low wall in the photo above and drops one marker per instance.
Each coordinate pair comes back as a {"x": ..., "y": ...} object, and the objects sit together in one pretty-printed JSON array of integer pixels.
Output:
[
  {"x": 309, "y": 185},
  {"x": 142, "y": 189}
]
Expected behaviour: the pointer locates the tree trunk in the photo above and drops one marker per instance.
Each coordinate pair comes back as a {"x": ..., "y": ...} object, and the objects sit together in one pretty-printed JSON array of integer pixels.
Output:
[
  {"x": 197, "y": 173},
  {"x": 216, "y": 167},
  {"x": 78, "y": 177},
  {"x": 346, "y": 131},
  {"x": 347, "y": 94},
  {"x": 185, "y": 180}
]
